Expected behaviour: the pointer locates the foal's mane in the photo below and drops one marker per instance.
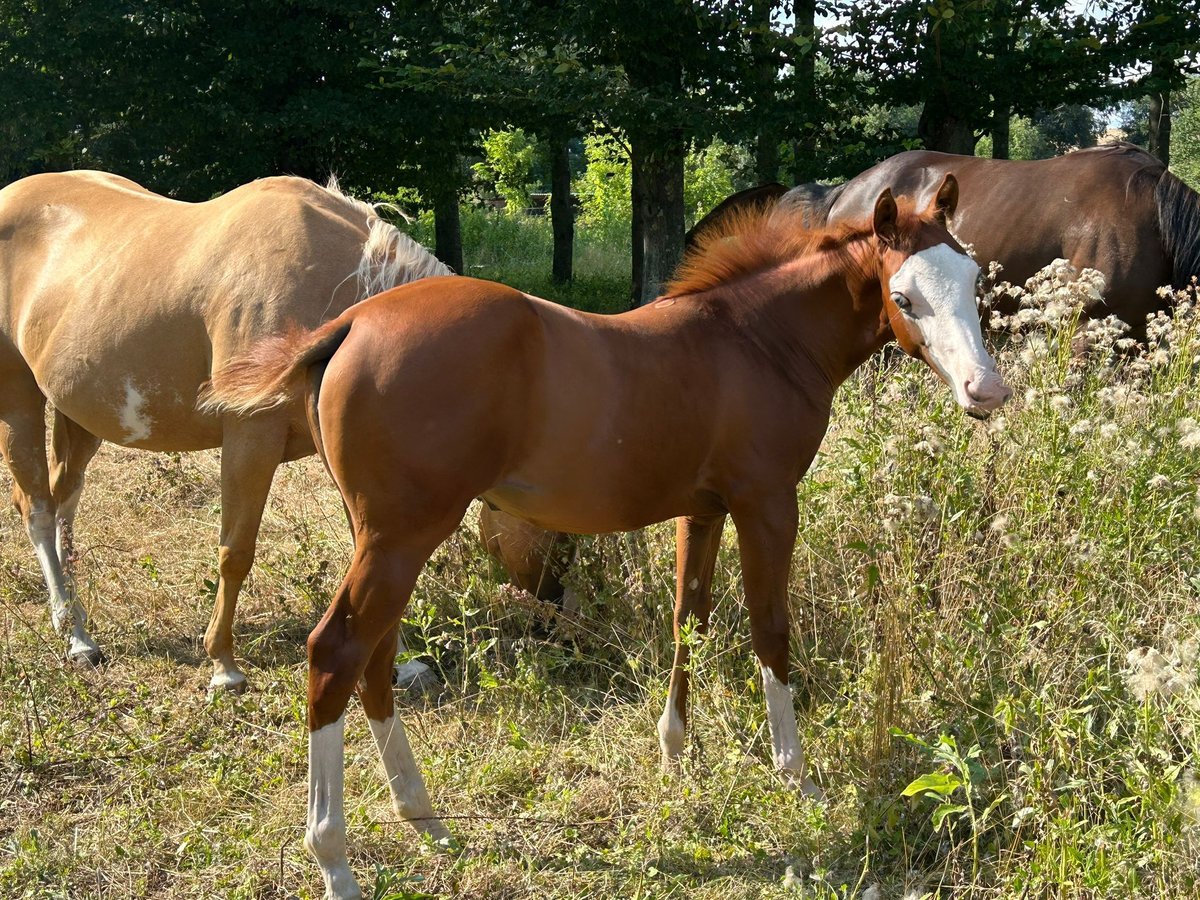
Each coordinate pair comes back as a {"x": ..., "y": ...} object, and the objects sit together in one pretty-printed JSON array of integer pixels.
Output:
[{"x": 747, "y": 241}]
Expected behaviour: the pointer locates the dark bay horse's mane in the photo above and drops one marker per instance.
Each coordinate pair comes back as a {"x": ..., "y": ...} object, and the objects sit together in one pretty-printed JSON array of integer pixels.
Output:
[
  {"x": 1179, "y": 223},
  {"x": 750, "y": 240}
]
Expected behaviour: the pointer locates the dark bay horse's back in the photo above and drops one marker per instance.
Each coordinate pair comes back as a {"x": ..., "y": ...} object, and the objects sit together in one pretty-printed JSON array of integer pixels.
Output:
[
  {"x": 1104, "y": 208},
  {"x": 1113, "y": 208}
]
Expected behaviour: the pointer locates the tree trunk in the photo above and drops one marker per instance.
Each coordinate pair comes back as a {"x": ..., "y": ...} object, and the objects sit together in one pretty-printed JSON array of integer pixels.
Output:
[
  {"x": 942, "y": 130},
  {"x": 1000, "y": 134},
  {"x": 447, "y": 230},
  {"x": 766, "y": 76},
  {"x": 766, "y": 156},
  {"x": 636, "y": 229},
  {"x": 1159, "y": 143},
  {"x": 562, "y": 212},
  {"x": 659, "y": 211},
  {"x": 804, "y": 164}
]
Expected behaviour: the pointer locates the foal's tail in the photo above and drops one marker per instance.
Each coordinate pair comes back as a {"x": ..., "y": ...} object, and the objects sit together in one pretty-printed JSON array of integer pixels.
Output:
[
  {"x": 1179, "y": 224},
  {"x": 269, "y": 373}
]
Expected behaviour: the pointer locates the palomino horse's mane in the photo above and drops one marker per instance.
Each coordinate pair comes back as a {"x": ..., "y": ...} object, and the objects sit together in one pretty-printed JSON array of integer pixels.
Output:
[
  {"x": 747, "y": 241},
  {"x": 390, "y": 257}
]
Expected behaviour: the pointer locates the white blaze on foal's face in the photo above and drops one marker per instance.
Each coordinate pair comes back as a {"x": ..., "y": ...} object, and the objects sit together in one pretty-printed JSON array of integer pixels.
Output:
[{"x": 934, "y": 293}]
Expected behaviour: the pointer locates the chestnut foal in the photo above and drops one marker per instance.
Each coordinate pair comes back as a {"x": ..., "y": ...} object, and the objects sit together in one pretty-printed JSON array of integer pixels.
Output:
[{"x": 711, "y": 401}]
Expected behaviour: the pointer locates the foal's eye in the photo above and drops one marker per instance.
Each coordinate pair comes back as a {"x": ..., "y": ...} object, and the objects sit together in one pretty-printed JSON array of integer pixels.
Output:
[{"x": 901, "y": 301}]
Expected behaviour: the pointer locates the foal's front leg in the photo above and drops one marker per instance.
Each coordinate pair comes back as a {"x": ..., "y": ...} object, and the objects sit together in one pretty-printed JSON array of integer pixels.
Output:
[
  {"x": 767, "y": 537},
  {"x": 696, "y": 543}
]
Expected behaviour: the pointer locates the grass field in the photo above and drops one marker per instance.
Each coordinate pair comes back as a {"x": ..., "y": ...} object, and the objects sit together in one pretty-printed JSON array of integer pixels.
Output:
[{"x": 1003, "y": 616}]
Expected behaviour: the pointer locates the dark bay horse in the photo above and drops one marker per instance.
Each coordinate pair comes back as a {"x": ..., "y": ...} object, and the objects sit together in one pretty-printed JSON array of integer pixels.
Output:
[
  {"x": 1113, "y": 208},
  {"x": 115, "y": 305},
  {"x": 711, "y": 401}
]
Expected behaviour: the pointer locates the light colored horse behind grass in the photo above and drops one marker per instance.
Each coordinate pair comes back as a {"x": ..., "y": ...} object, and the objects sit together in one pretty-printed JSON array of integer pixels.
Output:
[{"x": 116, "y": 304}]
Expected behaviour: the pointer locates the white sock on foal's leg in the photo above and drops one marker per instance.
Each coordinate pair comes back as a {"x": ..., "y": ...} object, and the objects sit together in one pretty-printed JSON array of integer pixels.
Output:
[
  {"x": 785, "y": 737},
  {"x": 671, "y": 732},
  {"x": 409, "y": 795},
  {"x": 325, "y": 836}
]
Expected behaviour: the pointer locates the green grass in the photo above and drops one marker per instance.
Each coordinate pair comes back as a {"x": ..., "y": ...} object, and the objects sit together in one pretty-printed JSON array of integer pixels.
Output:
[{"x": 965, "y": 599}]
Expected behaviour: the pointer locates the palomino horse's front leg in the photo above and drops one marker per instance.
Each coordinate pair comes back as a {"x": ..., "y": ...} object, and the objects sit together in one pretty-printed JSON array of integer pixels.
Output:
[
  {"x": 251, "y": 450},
  {"x": 23, "y": 445},
  {"x": 766, "y": 539},
  {"x": 696, "y": 543}
]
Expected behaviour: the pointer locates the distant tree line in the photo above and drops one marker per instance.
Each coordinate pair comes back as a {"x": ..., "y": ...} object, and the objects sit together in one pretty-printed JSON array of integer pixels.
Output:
[{"x": 192, "y": 97}]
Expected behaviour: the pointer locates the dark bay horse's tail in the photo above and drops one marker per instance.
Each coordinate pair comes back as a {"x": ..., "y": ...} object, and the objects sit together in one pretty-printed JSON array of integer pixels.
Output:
[
  {"x": 814, "y": 200},
  {"x": 1179, "y": 224},
  {"x": 268, "y": 375}
]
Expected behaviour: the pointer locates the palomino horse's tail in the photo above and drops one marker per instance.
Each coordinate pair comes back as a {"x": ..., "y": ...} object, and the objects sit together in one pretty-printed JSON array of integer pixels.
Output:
[
  {"x": 1179, "y": 224},
  {"x": 268, "y": 375}
]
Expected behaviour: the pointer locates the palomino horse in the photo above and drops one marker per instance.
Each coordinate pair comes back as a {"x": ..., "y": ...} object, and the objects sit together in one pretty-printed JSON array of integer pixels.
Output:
[
  {"x": 115, "y": 305},
  {"x": 1113, "y": 208},
  {"x": 536, "y": 560},
  {"x": 710, "y": 401}
]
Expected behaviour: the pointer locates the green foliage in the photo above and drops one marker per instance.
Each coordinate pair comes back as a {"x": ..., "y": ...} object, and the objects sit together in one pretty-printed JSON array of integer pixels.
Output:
[
  {"x": 1185, "y": 139},
  {"x": 603, "y": 189},
  {"x": 965, "y": 60},
  {"x": 712, "y": 174},
  {"x": 507, "y": 166}
]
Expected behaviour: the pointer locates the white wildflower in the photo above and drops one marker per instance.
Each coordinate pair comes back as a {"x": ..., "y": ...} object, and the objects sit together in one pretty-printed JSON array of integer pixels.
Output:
[
  {"x": 1189, "y": 434},
  {"x": 1159, "y": 482}
]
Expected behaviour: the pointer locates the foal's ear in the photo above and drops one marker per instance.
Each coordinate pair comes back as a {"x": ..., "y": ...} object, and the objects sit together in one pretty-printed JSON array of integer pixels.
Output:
[
  {"x": 945, "y": 201},
  {"x": 885, "y": 216}
]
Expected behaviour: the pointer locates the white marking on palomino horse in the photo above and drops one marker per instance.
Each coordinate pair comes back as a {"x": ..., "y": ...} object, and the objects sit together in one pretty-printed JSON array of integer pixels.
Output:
[
  {"x": 133, "y": 415},
  {"x": 785, "y": 736},
  {"x": 939, "y": 282}
]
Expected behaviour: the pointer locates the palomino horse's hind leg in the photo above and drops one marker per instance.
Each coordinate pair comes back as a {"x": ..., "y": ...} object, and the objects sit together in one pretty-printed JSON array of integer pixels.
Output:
[
  {"x": 766, "y": 539},
  {"x": 251, "y": 450},
  {"x": 696, "y": 544},
  {"x": 357, "y": 629},
  {"x": 71, "y": 449},
  {"x": 23, "y": 442}
]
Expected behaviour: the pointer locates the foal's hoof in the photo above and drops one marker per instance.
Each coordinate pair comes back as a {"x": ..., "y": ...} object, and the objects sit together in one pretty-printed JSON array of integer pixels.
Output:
[
  {"x": 228, "y": 682},
  {"x": 803, "y": 785},
  {"x": 417, "y": 679}
]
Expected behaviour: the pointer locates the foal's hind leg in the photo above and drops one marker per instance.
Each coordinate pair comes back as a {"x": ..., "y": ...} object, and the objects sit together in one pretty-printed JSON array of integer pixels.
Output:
[
  {"x": 71, "y": 449},
  {"x": 356, "y": 637},
  {"x": 251, "y": 450},
  {"x": 23, "y": 444},
  {"x": 696, "y": 544},
  {"x": 409, "y": 796}
]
